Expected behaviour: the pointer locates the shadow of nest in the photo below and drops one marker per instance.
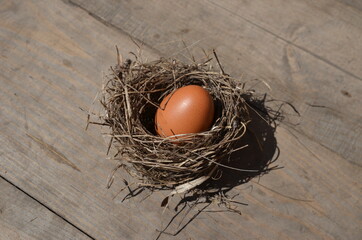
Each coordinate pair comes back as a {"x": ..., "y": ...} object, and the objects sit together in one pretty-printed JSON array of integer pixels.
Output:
[
  {"x": 204, "y": 167},
  {"x": 259, "y": 155}
]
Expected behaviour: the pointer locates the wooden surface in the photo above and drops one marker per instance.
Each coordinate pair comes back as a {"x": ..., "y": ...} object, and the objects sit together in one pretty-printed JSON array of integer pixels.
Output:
[
  {"x": 309, "y": 52},
  {"x": 52, "y": 55},
  {"x": 23, "y": 218}
]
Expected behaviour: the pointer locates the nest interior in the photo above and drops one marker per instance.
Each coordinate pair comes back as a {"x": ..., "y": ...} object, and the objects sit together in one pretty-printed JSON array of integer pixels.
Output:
[{"x": 131, "y": 95}]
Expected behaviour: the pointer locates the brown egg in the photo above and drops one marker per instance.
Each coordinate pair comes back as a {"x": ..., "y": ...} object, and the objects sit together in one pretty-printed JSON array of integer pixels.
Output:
[{"x": 189, "y": 109}]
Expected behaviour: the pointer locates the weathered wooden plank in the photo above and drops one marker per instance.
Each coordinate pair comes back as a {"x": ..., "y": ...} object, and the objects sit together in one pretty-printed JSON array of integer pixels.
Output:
[
  {"x": 23, "y": 218},
  {"x": 52, "y": 55},
  {"x": 353, "y": 3},
  {"x": 326, "y": 29},
  {"x": 307, "y": 51}
]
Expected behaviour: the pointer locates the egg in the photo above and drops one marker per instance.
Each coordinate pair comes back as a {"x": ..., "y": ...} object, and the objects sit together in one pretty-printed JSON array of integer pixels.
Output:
[{"x": 189, "y": 109}]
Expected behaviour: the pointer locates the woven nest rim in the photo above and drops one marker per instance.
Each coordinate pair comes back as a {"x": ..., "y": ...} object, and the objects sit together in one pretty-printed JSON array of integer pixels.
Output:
[{"x": 130, "y": 97}]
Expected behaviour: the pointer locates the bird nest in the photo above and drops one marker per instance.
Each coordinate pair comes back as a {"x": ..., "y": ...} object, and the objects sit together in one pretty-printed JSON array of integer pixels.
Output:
[{"x": 131, "y": 95}]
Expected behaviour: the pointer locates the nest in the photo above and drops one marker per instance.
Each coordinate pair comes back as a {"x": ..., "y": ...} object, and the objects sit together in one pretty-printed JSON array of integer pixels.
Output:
[{"x": 131, "y": 95}]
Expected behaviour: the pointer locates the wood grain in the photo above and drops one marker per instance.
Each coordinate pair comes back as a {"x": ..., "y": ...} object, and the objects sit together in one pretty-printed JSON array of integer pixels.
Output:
[
  {"x": 353, "y": 3},
  {"x": 307, "y": 51},
  {"x": 52, "y": 56},
  {"x": 23, "y": 218},
  {"x": 326, "y": 29}
]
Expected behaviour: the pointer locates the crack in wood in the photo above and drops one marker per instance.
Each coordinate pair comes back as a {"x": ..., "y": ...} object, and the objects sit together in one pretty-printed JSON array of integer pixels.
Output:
[
  {"x": 108, "y": 24},
  {"x": 47, "y": 207},
  {"x": 288, "y": 41},
  {"x": 54, "y": 153}
]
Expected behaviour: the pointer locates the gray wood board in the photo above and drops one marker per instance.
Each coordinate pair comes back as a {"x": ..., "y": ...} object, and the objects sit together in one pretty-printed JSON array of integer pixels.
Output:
[
  {"x": 357, "y": 4},
  {"x": 307, "y": 51},
  {"x": 52, "y": 58},
  {"x": 23, "y": 218}
]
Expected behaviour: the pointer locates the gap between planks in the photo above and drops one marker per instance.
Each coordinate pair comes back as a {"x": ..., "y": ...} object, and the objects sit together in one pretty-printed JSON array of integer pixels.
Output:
[
  {"x": 48, "y": 208},
  {"x": 108, "y": 24},
  {"x": 104, "y": 22},
  {"x": 288, "y": 41}
]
